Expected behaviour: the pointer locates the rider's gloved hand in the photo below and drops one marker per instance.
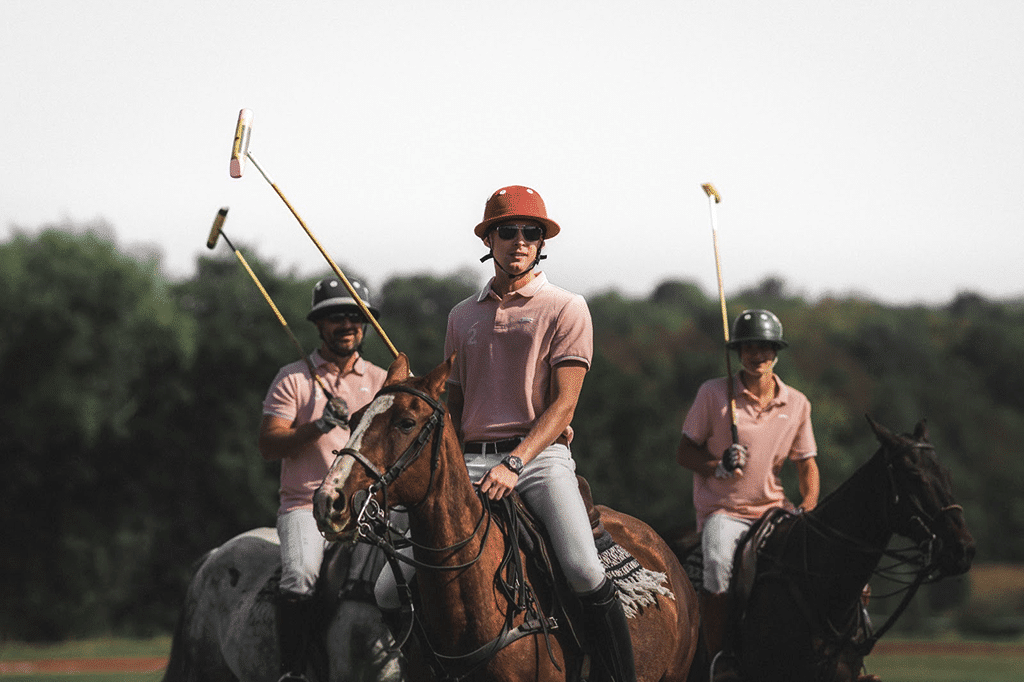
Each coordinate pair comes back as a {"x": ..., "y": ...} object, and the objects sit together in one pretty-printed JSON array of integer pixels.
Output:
[
  {"x": 734, "y": 459},
  {"x": 335, "y": 414}
]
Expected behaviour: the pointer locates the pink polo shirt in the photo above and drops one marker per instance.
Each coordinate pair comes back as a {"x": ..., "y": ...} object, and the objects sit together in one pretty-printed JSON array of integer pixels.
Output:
[
  {"x": 506, "y": 351},
  {"x": 779, "y": 432},
  {"x": 295, "y": 396}
]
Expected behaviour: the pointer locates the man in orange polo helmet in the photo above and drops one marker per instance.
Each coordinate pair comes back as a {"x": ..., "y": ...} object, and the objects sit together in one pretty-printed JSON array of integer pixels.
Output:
[{"x": 523, "y": 347}]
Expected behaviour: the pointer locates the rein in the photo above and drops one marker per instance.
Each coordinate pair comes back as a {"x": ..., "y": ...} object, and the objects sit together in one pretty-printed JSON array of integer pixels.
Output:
[
  {"x": 433, "y": 426},
  {"x": 375, "y": 527},
  {"x": 926, "y": 547}
]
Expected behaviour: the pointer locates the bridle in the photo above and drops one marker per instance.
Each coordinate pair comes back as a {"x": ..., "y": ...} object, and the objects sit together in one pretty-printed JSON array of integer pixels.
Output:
[
  {"x": 371, "y": 521},
  {"x": 926, "y": 545},
  {"x": 433, "y": 426},
  {"x": 374, "y": 527},
  {"x": 918, "y": 516},
  {"x": 926, "y": 521}
]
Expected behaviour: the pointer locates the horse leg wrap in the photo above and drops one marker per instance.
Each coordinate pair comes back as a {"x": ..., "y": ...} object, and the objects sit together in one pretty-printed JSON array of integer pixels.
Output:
[
  {"x": 608, "y": 632},
  {"x": 293, "y": 632}
]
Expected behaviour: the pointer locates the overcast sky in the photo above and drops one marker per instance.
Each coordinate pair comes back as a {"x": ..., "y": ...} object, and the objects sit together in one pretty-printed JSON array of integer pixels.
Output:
[{"x": 860, "y": 147}]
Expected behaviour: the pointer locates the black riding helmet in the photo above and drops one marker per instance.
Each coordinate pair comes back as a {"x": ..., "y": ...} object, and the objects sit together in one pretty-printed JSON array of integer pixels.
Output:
[
  {"x": 757, "y": 326},
  {"x": 331, "y": 296}
]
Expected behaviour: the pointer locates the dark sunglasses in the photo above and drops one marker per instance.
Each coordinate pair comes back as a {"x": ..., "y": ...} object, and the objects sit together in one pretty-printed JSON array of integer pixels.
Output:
[
  {"x": 353, "y": 316},
  {"x": 530, "y": 234}
]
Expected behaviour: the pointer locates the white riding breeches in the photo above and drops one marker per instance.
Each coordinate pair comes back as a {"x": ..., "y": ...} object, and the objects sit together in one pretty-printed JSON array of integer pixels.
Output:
[
  {"x": 549, "y": 488},
  {"x": 302, "y": 551},
  {"x": 719, "y": 538}
]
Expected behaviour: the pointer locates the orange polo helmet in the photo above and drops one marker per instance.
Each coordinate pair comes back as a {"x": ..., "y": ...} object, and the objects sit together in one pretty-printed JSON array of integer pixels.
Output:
[{"x": 512, "y": 202}]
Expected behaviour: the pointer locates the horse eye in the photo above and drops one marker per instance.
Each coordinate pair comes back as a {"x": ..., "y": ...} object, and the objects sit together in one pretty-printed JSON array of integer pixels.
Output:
[{"x": 405, "y": 425}]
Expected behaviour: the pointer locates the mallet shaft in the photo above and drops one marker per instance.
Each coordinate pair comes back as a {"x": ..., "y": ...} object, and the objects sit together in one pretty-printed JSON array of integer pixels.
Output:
[
  {"x": 217, "y": 231},
  {"x": 715, "y": 198},
  {"x": 330, "y": 261}
]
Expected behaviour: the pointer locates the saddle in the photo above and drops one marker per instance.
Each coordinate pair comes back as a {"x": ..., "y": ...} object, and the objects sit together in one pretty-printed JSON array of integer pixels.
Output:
[
  {"x": 637, "y": 586},
  {"x": 687, "y": 548},
  {"x": 745, "y": 563}
]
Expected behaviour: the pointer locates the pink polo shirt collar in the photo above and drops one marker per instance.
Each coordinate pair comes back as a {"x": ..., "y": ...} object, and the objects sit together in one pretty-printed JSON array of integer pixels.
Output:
[
  {"x": 527, "y": 291},
  {"x": 358, "y": 367},
  {"x": 781, "y": 390}
]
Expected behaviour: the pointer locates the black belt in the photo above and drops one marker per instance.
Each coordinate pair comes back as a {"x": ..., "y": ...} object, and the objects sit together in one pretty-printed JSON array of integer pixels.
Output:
[{"x": 494, "y": 447}]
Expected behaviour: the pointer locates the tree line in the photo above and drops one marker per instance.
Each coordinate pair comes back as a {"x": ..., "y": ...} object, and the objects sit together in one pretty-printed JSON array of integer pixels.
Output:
[{"x": 128, "y": 424}]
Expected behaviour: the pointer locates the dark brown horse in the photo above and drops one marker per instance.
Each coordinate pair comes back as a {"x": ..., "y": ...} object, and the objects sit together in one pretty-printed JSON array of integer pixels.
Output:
[
  {"x": 803, "y": 620},
  {"x": 404, "y": 451}
]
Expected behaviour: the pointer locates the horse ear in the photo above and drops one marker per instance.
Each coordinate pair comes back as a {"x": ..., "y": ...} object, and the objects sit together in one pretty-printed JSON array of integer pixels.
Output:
[
  {"x": 884, "y": 435},
  {"x": 399, "y": 370},
  {"x": 437, "y": 377},
  {"x": 921, "y": 431}
]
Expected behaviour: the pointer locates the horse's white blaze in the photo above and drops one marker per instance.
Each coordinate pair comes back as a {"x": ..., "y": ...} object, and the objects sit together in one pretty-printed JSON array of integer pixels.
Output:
[
  {"x": 341, "y": 469},
  {"x": 379, "y": 405},
  {"x": 343, "y": 465}
]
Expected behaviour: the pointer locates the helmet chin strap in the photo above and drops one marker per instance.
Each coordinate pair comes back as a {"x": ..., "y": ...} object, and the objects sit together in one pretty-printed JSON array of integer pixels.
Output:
[{"x": 538, "y": 259}]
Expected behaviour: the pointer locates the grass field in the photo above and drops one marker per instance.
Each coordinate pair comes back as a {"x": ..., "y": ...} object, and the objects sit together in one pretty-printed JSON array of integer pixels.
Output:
[
  {"x": 895, "y": 661},
  {"x": 86, "y": 649},
  {"x": 946, "y": 668}
]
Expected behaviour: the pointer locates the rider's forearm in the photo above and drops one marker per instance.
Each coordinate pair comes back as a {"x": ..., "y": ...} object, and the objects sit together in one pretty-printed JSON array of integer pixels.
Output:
[
  {"x": 695, "y": 457},
  {"x": 810, "y": 483},
  {"x": 281, "y": 440},
  {"x": 567, "y": 382}
]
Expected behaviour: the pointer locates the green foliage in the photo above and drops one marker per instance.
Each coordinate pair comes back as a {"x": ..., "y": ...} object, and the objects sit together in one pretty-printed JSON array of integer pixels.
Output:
[
  {"x": 128, "y": 430},
  {"x": 414, "y": 313},
  {"x": 92, "y": 346}
]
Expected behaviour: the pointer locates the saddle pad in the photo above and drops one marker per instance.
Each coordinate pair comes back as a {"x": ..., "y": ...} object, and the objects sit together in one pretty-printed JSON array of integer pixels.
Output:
[{"x": 638, "y": 586}]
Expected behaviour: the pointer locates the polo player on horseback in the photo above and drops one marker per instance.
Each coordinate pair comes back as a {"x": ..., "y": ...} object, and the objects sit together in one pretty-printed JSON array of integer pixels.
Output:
[
  {"x": 303, "y": 428},
  {"x": 733, "y": 489},
  {"x": 523, "y": 347}
]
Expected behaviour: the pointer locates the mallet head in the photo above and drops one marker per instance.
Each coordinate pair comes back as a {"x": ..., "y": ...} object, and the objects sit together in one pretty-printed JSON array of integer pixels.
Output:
[
  {"x": 710, "y": 190},
  {"x": 218, "y": 224},
  {"x": 241, "y": 145}
]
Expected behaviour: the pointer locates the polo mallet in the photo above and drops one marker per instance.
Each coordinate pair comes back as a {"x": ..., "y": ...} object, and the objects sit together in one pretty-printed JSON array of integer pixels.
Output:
[
  {"x": 239, "y": 153},
  {"x": 215, "y": 233},
  {"x": 715, "y": 198}
]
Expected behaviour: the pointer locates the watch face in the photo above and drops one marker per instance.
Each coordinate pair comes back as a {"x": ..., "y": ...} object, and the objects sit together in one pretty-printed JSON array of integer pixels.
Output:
[{"x": 514, "y": 463}]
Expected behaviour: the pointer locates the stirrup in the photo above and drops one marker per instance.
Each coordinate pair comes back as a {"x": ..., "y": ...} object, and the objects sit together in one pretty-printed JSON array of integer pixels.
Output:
[{"x": 714, "y": 663}]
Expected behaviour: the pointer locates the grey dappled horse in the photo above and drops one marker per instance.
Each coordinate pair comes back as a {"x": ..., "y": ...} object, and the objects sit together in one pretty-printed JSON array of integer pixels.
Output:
[{"x": 226, "y": 631}]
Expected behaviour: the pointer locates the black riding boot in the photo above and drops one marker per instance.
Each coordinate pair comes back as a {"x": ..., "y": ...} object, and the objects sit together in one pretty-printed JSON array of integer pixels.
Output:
[
  {"x": 293, "y": 628},
  {"x": 608, "y": 631}
]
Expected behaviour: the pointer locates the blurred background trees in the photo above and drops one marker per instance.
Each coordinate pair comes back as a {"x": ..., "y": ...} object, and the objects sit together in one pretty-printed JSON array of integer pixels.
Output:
[{"x": 128, "y": 424}]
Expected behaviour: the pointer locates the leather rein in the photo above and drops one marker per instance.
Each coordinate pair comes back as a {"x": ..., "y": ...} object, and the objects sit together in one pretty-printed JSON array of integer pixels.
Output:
[
  {"x": 926, "y": 546},
  {"x": 375, "y": 527}
]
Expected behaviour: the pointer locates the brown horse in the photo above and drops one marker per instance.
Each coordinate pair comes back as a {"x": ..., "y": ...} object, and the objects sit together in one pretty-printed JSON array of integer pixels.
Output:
[
  {"x": 800, "y": 618},
  {"x": 467, "y": 603}
]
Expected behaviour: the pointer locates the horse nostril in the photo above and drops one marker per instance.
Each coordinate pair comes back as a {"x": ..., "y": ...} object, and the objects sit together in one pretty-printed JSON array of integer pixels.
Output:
[{"x": 338, "y": 505}]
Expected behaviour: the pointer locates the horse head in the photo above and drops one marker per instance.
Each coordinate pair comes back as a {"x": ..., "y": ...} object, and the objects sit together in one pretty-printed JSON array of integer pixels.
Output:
[
  {"x": 387, "y": 460},
  {"x": 922, "y": 506}
]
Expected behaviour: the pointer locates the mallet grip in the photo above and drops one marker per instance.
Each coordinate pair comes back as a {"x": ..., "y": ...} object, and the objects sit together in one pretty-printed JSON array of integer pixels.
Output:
[{"x": 240, "y": 148}]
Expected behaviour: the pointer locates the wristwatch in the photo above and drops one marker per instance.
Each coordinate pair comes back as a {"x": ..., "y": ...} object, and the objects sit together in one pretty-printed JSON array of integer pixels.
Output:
[{"x": 513, "y": 464}]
